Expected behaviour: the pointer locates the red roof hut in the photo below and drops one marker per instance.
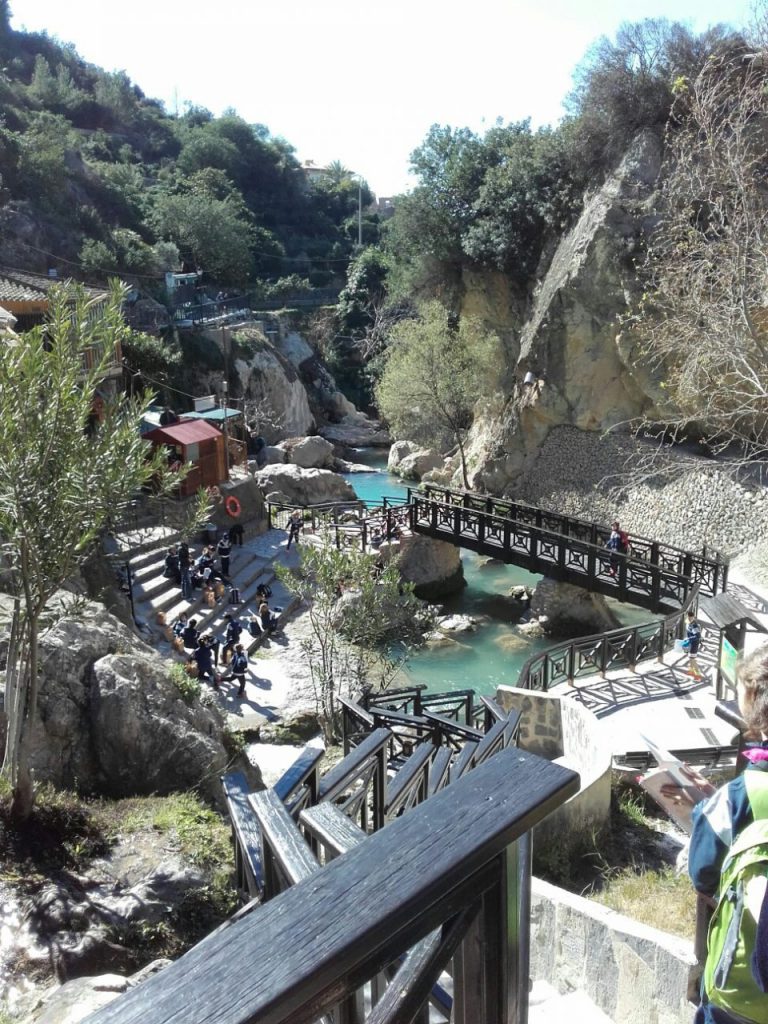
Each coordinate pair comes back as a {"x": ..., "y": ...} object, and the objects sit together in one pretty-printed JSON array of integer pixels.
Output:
[{"x": 195, "y": 443}]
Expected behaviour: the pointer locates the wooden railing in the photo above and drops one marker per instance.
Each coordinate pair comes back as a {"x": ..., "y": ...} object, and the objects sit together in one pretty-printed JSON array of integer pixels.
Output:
[
  {"x": 446, "y": 881},
  {"x": 597, "y": 654},
  {"x": 348, "y": 524},
  {"x": 652, "y": 576},
  {"x": 706, "y": 567}
]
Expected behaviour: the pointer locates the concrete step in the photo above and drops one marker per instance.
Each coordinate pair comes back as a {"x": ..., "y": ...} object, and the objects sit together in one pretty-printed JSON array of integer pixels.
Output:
[{"x": 548, "y": 1006}]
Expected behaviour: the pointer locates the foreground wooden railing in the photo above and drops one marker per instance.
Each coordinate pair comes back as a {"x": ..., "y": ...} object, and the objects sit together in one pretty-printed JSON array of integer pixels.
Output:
[{"x": 453, "y": 870}]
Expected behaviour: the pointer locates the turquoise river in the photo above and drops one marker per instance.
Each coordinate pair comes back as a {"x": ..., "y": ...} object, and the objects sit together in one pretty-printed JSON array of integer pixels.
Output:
[{"x": 496, "y": 652}]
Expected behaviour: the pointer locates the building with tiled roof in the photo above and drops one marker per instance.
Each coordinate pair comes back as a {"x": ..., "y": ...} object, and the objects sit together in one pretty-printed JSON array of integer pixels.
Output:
[{"x": 27, "y": 296}]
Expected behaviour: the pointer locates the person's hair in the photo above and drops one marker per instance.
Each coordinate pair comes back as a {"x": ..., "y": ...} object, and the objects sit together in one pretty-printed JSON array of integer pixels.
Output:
[
  {"x": 753, "y": 676},
  {"x": 228, "y": 615},
  {"x": 615, "y": 524},
  {"x": 193, "y": 622},
  {"x": 691, "y": 613}
]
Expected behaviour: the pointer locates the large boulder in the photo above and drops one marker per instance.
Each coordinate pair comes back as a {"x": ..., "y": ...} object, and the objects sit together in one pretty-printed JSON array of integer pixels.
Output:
[
  {"x": 309, "y": 452},
  {"x": 269, "y": 378},
  {"x": 434, "y": 566},
  {"x": 304, "y": 486},
  {"x": 110, "y": 718},
  {"x": 356, "y": 431},
  {"x": 398, "y": 451},
  {"x": 419, "y": 463},
  {"x": 566, "y": 611}
]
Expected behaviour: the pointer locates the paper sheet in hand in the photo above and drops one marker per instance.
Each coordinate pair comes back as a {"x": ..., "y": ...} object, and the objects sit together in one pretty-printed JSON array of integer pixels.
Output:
[{"x": 670, "y": 773}]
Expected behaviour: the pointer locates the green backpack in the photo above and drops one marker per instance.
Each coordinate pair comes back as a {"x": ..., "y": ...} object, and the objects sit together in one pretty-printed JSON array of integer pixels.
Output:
[{"x": 728, "y": 980}]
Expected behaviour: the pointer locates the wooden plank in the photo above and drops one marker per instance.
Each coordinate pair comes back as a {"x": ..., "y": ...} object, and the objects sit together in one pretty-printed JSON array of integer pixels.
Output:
[
  {"x": 282, "y": 838},
  {"x": 331, "y": 828},
  {"x": 398, "y": 788},
  {"x": 493, "y": 738},
  {"x": 245, "y": 827},
  {"x": 298, "y": 773},
  {"x": 305, "y": 949},
  {"x": 438, "y": 771},
  {"x": 357, "y": 711},
  {"x": 338, "y": 778}
]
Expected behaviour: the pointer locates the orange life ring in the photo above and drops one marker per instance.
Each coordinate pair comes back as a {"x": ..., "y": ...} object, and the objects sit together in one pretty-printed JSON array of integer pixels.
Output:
[{"x": 232, "y": 506}]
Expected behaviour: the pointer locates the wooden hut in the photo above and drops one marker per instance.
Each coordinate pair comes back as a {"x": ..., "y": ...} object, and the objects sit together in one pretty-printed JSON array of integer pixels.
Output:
[{"x": 197, "y": 444}]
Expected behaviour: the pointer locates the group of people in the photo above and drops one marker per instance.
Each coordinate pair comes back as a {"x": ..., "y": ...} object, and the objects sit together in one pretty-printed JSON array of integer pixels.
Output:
[
  {"x": 205, "y": 649},
  {"x": 191, "y": 574}
]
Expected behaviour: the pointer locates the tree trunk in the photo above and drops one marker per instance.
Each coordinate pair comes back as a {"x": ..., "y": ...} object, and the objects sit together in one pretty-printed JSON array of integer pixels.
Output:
[
  {"x": 21, "y": 708},
  {"x": 463, "y": 458}
]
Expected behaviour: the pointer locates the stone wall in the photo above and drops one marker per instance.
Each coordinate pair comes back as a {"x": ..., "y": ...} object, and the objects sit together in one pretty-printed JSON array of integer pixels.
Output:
[
  {"x": 563, "y": 731},
  {"x": 577, "y": 472},
  {"x": 630, "y": 971}
]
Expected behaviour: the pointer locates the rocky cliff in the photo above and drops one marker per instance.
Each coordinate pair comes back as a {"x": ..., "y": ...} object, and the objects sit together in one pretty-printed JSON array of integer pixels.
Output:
[{"x": 568, "y": 335}]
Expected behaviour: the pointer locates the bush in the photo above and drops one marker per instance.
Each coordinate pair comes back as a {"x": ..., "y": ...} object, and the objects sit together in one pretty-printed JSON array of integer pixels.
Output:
[{"x": 188, "y": 687}]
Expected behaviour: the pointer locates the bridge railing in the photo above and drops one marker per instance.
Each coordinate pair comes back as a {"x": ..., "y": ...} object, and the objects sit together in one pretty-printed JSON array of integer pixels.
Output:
[
  {"x": 707, "y": 566},
  {"x": 660, "y": 581},
  {"x": 598, "y": 654},
  {"x": 348, "y": 524},
  {"x": 449, "y": 880}
]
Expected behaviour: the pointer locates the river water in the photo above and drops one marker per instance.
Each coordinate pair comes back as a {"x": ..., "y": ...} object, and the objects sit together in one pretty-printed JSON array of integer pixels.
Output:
[{"x": 496, "y": 652}]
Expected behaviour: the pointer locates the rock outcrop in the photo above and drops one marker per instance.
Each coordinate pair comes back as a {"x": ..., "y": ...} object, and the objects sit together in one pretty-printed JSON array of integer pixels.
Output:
[
  {"x": 411, "y": 461},
  {"x": 432, "y": 565},
  {"x": 304, "y": 486},
  {"x": 585, "y": 374},
  {"x": 565, "y": 611},
  {"x": 111, "y": 720},
  {"x": 309, "y": 452}
]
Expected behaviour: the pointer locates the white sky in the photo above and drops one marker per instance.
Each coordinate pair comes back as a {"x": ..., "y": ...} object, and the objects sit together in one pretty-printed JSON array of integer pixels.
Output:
[{"x": 355, "y": 81}]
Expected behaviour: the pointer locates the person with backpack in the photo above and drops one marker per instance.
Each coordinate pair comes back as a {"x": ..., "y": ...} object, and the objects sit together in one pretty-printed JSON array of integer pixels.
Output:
[
  {"x": 728, "y": 865},
  {"x": 231, "y": 635},
  {"x": 618, "y": 544},
  {"x": 692, "y": 644},
  {"x": 238, "y": 668}
]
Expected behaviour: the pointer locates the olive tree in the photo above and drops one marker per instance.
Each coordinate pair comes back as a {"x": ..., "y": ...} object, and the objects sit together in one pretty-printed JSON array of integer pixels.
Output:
[
  {"x": 435, "y": 370},
  {"x": 362, "y": 617},
  {"x": 61, "y": 478}
]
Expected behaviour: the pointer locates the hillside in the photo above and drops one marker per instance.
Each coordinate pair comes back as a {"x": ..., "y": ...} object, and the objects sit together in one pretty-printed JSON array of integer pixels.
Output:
[{"x": 97, "y": 179}]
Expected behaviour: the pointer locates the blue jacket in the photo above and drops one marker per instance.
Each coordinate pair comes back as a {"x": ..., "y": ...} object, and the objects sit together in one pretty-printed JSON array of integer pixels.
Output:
[
  {"x": 716, "y": 821},
  {"x": 693, "y": 637}
]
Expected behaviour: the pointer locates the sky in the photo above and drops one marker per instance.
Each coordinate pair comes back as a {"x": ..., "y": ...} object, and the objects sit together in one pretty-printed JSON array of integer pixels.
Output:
[{"x": 352, "y": 80}]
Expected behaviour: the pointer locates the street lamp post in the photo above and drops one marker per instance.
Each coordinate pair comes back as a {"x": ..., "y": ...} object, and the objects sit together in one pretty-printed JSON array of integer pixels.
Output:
[
  {"x": 225, "y": 397},
  {"x": 359, "y": 212}
]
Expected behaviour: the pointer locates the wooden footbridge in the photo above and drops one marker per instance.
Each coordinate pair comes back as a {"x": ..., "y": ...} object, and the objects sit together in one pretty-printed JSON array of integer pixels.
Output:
[
  {"x": 395, "y": 888},
  {"x": 656, "y": 576}
]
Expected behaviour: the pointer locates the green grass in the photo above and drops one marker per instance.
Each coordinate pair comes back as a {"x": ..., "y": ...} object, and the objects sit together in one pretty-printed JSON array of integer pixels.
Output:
[{"x": 660, "y": 898}]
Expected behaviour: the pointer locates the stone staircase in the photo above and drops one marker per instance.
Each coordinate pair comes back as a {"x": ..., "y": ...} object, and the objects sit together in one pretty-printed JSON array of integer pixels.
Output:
[
  {"x": 154, "y": 594},
  {"x": 547, "y": 1006}
]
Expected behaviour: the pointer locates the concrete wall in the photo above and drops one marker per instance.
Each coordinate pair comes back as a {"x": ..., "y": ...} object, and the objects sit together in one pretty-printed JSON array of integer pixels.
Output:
[
  {"x": 630, "y": 971},
  {"x": 564, "y": 731}
]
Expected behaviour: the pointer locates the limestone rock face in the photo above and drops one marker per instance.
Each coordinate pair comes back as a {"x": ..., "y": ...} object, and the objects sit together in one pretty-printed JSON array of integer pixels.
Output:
[
  {"x": 270, "y": 379},
  {"x": 566, "y": 611},
  {"x": 110, "y": 718},
  {"x": 309, "y": 452},
  {"x": 304, "y": 486},
  {"x": 419, "y": 463},
  {"x": 432, "y": 565},
  {"x": 586, "y": 374},
  {"x": 398, "y": 451}
]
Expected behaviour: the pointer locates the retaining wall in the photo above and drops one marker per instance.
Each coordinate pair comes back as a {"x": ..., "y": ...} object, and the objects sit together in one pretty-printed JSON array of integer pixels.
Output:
[{"x": 632, "y": 972}]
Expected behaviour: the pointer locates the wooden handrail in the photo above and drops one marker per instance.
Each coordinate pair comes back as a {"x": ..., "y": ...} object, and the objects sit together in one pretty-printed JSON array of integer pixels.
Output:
[
  {"x": 314, "y": 944},
  {"x": 536, "y": 673}
]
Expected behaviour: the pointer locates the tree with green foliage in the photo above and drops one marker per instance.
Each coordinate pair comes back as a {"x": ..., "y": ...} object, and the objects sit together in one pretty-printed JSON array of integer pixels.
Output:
[
  {"x": 357, "y": 615},
  {"x": 435, "y": 371},
  {"x": 62, "y": 479}
]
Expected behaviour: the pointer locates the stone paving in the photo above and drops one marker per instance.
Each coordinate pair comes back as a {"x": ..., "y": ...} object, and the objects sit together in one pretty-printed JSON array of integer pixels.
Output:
[{"x": 660, "y": 700}]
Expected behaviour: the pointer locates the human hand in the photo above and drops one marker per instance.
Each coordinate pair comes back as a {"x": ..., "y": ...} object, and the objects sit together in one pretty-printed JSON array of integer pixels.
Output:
[{"x": 699, "y": 787}]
